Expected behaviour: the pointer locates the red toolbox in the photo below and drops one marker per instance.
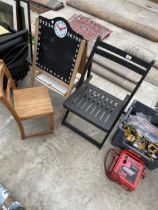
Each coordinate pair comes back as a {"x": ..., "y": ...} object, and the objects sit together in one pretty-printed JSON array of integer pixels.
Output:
[{"x": 126, "y": 169}]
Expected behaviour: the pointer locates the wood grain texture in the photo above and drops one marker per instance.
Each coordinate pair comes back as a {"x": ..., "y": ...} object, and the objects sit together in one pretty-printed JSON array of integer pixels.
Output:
[{"x": 32, "y": 102}]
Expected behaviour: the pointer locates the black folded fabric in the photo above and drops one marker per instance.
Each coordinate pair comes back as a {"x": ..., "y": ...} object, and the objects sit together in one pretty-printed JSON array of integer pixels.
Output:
[{"x": 14, "y": 52}]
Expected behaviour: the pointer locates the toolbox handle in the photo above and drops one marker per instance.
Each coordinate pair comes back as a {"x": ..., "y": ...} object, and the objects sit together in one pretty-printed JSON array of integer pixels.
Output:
[{"x": 116, "y": 155}]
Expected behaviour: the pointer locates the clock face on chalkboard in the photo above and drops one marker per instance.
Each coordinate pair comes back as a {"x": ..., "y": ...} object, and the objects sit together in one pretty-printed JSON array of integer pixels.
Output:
[{"x": 60, "y": 29}]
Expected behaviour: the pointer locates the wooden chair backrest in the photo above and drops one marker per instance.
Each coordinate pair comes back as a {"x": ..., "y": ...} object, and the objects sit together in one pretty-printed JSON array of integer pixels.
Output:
[
  {"x": 4, "y": 73},
  {"x": 5, "y": 94}
]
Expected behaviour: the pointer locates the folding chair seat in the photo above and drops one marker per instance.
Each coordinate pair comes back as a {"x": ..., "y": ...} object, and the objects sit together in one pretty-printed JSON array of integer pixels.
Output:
[{"x": 93, "y": 104}]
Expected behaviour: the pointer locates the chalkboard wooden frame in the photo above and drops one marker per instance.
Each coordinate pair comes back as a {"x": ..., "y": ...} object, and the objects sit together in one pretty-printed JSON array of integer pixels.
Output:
[{"x": 78, "y": 66}]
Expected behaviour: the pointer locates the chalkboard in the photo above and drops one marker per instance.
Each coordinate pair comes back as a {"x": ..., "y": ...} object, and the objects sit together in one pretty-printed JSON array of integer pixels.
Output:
[{"x": 57, "y": 48}]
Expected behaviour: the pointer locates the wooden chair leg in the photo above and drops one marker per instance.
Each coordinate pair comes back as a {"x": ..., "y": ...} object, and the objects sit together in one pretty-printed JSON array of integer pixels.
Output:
[
  {"x": 51, "y": 129},
  {"x": 23, "y": 136},
  {"x": 32, "y": 76},
  {"x": 51, "y": 119},
  {"x": 21, "y": 128}
]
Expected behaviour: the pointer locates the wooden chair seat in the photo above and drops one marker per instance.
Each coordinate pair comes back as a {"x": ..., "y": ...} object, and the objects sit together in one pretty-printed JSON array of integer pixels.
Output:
[
  {"x": 32, "y": 102},
  {"x": 28, "y": 103}
]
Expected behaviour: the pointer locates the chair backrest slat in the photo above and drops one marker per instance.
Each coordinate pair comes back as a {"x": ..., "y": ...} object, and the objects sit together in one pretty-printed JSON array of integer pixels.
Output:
[
  {"x": 5, "y": 77},
  {"x": 116, "y": 55},
  {"x": 124, "y": 54},
  {"x": 121, "y": 57},
  {"x": 5, "y": 94},
  {"x": 120, "y": 61},
  {"x": 8, "y": 90}
]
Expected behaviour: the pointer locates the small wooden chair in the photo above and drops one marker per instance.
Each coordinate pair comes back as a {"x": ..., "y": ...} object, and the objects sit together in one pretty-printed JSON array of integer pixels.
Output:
[{"x": 28, "y": 103}]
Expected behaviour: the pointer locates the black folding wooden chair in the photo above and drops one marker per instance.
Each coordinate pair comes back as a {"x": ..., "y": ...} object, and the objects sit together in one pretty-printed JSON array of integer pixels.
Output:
[{"x": 96, "y": 106}]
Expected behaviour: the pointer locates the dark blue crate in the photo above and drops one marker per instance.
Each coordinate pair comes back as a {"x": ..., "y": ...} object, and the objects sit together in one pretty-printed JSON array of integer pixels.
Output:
[{"x": 119, "y": 139}]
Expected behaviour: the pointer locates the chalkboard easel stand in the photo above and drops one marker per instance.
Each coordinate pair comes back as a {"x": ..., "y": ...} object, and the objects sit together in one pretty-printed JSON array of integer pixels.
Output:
[{"x": 49, "y": 80}]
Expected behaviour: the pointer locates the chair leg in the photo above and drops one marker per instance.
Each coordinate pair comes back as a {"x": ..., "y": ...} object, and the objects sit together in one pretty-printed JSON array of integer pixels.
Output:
[
  {"x": 84, "y": 135},
  {"x": 51, "y": 129},
  {"x": 51, "y": 119},
  {"x": 32, "y": 76},
  {"x": 93, "y": 141},
  {"x": 65, "y": 117},
  {"x": 106, "y": 136},
  {"x": 22, "y": 130},
  {"x": 23, "y": 136}
]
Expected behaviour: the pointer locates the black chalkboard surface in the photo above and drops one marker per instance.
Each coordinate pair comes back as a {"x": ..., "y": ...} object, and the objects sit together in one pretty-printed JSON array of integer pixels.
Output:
[{"x": 57, "y": 48}]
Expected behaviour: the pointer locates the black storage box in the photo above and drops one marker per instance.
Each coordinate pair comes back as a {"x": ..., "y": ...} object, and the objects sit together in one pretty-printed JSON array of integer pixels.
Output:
[{"x": 119, "y": 139}]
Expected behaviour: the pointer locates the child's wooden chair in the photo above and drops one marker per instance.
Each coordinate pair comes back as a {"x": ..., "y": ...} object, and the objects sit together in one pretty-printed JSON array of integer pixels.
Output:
[{"x": 26, "y": 103}]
